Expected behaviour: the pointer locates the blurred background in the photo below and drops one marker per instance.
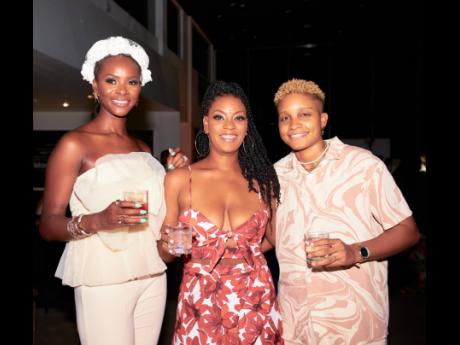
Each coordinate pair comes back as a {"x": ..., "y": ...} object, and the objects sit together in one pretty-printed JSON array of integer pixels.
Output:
[{"x": 367, "y": 56}]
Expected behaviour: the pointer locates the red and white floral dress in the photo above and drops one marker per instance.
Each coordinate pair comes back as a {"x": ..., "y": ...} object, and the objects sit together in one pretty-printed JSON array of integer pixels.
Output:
[{"x": 227, "y": 304}]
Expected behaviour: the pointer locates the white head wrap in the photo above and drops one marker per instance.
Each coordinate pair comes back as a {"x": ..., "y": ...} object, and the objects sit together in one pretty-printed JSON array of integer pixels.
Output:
[{"x": 115, "y": 46}]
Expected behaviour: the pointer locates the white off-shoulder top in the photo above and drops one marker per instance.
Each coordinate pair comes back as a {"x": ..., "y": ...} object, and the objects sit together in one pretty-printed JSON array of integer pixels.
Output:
[{"x": 115, "y": 256}]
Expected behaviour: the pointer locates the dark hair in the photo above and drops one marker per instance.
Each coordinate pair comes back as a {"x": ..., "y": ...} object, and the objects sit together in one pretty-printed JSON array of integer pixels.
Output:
[
  {"x": 252, "y": 155},
  {"x": 164, "y": 157}
]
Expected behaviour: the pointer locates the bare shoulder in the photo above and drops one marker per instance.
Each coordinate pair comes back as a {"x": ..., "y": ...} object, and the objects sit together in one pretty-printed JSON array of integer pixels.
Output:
[
  {"x": 177, "y": 178},
  {"x": 66, "y": 159},
  {"x": 72, "y": 143}
]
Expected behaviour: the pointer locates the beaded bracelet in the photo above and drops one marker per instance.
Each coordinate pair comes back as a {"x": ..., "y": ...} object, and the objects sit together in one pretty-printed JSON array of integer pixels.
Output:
[{"x": 74, "y": 229}]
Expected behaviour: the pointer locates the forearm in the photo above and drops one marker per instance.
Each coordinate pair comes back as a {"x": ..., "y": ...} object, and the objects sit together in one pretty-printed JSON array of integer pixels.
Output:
[
  {"x": 392, "y": 241},
  {"x": 54, "y": 227}
]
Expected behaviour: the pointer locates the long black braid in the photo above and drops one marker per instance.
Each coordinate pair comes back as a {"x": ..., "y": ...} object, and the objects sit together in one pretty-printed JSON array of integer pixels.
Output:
[{"x": 252, "y": 156}]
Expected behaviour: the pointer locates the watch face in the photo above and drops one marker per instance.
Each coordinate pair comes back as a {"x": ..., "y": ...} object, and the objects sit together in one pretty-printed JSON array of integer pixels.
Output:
[{"x": 364, "y": 252}]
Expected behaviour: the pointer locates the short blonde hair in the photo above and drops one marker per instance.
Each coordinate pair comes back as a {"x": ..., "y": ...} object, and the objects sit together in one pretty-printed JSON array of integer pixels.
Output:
[{"x": 299, "y": 86}]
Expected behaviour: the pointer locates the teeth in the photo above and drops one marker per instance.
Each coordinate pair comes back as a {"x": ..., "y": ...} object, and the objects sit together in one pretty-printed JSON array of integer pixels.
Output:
[
  {"x": 228, "y": 137},
  {"x": 120, "y": 102},
  {"x": 296, "y": 136}
]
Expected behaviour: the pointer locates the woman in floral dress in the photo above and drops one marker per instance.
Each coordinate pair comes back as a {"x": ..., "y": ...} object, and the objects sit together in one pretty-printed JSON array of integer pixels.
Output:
[{"x": 227, "y": 294}]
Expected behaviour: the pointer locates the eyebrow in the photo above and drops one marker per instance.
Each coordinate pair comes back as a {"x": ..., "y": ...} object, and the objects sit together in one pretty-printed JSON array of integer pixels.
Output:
[
  {"x": 115, "y": 76},
  {"x": 301, "y": 108},
  {"x": 236, "y": 112}
]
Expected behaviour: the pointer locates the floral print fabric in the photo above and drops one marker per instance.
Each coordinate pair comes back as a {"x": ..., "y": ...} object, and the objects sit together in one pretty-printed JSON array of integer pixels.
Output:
[{"x": 224, "y": 303}]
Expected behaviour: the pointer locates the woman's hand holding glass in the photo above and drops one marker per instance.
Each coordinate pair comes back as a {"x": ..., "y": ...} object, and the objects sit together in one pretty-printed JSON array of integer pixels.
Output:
[
  {"x": 122, "y": 213},
  {"x": 178, "y": 238}
]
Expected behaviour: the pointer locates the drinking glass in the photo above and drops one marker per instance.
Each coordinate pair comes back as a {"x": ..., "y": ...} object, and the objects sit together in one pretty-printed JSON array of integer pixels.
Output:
[
  {"x": 140, "y": 196},
  {"x": 309, "y": 238},
  {"x": 181, "y": 236}
]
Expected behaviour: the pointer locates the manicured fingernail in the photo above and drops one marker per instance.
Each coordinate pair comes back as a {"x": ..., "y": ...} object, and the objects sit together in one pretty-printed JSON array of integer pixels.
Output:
[
  {"x": 137, "y": 205},
  {"x": 143, "y": 212},
  {"x": 170, "y": 166},
  {"x": 143, "y": 220}
]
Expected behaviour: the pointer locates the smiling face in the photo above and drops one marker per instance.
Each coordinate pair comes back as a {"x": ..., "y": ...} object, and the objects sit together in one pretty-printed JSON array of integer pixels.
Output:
[
  {"x": 300, "y": 121},
  {"x": 117, "y": 85},
  {"x": 226, "y": 124}
]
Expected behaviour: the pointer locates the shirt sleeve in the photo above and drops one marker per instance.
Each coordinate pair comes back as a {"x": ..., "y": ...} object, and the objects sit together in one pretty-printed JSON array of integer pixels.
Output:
[{"x": 388, "y": 205}]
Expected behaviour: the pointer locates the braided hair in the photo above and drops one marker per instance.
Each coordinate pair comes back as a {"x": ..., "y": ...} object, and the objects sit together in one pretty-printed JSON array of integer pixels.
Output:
[{"x": 252, "y": 155}]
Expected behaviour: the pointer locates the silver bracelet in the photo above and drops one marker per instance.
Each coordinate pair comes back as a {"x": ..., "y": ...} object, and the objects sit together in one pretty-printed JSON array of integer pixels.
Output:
[
  {"x": 74, "y": 229},
  {"x": 81, "y": 230}
]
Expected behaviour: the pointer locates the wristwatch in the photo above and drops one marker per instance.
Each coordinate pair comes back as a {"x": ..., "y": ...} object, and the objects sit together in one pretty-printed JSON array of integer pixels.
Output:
[{"x": 364, "y": 252}]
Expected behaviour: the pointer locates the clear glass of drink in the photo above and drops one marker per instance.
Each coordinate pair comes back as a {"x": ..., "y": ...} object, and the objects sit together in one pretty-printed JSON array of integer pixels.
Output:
[
  {"x": 181, "y": 236},
  {"x": 140, "y": 196},
  {"x": 309, "y": 238}
]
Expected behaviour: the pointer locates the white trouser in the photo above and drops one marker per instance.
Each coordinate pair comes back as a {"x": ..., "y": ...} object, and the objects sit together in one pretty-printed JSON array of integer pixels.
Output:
[{"x": 122, "y": 314}]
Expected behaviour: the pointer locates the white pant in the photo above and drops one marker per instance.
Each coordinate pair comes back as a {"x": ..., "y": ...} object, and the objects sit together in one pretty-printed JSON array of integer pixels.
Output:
[{"x": 122, "y": 314}]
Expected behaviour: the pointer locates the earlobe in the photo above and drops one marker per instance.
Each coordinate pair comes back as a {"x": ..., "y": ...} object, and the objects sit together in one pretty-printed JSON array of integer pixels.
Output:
[
  {"x": 324, "y": 119},
  {"x": 94, "y": 89}
]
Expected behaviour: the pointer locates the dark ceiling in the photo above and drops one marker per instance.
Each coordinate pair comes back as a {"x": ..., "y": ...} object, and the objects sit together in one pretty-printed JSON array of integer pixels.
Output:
[
  {"x": 261, "y": 24},
  {"x": 366, "y": 55}
]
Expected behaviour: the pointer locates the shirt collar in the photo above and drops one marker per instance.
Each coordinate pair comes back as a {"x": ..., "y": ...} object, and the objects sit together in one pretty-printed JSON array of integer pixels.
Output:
[{"x": 334, "y": 152}]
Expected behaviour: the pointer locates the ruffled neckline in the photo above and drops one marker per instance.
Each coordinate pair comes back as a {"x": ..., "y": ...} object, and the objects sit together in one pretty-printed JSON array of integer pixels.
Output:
[{"x": 109, "y": 156}]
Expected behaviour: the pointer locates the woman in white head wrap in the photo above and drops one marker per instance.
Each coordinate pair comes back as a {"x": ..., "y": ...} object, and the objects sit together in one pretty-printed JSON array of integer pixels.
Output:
[{"x": 111, "y": 257}]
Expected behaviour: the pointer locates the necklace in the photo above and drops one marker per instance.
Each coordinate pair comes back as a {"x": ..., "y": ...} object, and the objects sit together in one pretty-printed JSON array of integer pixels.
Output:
[{"x": 317, "y": 158}]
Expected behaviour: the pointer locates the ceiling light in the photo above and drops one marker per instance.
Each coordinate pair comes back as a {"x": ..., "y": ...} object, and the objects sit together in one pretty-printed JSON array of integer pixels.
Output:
[
  {"x": 307, "y": 45},
  {"x": 65, "y": 104}
]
